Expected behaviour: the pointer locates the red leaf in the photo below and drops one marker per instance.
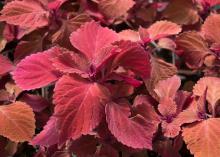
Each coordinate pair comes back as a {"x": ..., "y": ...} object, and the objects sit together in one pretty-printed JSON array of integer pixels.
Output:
[
  {"x": 135, "y": 133},
  {"x": 56, "y": 4},
  {"x": 36, "y": 71},
  {"x": 25, "y": 13},
  {"x": 143, "y": 106},
  {"x": 168, "y": 87},
  {"x": 115, "y": 8},
  {"x": 91, "y": 38},
  {"x": 5, "y": 65},
  {"x": 79, "y": 106},
  {"x": 200, "y": 136},
  {"x": 133, "y": 57},
  {"x": 16, "y": 125}
]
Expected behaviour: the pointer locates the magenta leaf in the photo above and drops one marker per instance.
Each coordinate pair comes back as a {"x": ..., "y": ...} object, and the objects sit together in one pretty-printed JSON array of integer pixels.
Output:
[{"x": 36, "y": 71}]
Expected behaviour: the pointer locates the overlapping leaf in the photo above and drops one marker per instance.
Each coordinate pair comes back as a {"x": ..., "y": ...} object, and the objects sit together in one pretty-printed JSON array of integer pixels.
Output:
[
  {"x": 213, "y": 92},
  {"x": 195, "y": 48},
  {"x": 137, "y": 136},
  {"x": 161, "y": 70}
]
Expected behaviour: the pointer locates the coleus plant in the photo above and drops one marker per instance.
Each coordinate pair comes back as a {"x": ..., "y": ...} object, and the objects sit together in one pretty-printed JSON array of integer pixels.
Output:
[{"x": 109, "y": 78}]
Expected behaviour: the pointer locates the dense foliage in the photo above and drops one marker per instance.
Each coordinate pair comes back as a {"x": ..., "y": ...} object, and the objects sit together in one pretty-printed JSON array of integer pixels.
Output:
[{"x": 110, "y": 78}]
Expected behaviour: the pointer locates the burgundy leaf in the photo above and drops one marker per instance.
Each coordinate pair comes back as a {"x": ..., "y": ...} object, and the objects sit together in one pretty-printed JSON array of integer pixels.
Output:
[{"x": 84, "y": 146}]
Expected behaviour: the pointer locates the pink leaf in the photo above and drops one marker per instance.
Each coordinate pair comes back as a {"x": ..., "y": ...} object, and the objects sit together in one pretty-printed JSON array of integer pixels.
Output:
[
  {"x": 36, "y": 71},
  {"x": 79, "y": 106},
  {"x": 5, "y": 65},
  {"x": 91, "y": 38},
  {"x": 168, "y": 87},
  {"x": 167, "y": 107},
  {"x": 25, "y": 13},
  {"x": 130, "y": 132}
]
